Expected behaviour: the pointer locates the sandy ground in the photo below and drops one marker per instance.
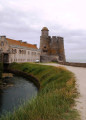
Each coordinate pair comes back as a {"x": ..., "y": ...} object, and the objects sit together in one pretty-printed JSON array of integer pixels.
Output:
[{"x": 80, "y": 74}]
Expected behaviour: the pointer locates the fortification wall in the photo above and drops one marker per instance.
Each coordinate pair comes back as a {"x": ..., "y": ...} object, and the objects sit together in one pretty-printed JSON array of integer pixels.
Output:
[
  {"x": 45, "y": 45},
  {"x": 48, "y": 58},
  {"x": 74, "y": 64},
  {"x": 61, "y": 49},
  {"x": 54, "y": 45}
]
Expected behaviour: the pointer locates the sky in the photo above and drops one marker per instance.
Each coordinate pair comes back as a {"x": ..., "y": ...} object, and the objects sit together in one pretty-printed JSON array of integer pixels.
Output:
[{"x": 24, "y": 19}]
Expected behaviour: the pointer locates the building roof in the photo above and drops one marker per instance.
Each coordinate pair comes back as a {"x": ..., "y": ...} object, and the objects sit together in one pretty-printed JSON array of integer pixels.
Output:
[
  {"x": 45, "y": 29},
  {"x": 19, "y": 43}
]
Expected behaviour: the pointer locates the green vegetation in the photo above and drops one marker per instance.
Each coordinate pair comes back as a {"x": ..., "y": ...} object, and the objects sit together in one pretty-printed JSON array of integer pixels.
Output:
[{"x": 55, "y": 99}]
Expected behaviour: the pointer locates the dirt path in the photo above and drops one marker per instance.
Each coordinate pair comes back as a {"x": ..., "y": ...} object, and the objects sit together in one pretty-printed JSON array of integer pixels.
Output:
[{"x": 80, "y": 74}]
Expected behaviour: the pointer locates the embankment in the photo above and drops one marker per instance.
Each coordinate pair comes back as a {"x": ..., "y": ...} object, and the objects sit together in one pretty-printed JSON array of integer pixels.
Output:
[
  {"x": 55, "y": 99},
  {"x": 25, "y": 75},
  {"x": 73, "y": 64}
]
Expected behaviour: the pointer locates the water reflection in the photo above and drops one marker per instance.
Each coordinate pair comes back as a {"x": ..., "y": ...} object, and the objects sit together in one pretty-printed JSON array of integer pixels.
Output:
[{"x": 14, "y": 96}]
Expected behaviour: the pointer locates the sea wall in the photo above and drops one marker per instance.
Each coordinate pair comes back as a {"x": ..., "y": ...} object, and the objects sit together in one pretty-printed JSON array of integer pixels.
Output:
[{"x": 73, "y": 64}]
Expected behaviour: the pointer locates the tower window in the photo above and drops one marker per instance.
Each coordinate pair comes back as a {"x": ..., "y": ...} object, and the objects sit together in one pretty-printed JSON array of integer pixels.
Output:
[
  {"x": 44, "y": 50},
  {"x": 44, "y": 46}
]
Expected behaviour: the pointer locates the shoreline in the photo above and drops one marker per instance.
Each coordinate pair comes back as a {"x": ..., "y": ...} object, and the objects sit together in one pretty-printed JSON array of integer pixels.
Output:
[
  {"x": 7, "y": 83},
  {"x": 29, "y": 77}
]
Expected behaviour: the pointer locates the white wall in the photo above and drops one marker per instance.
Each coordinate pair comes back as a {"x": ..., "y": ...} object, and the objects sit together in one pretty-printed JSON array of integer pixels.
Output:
[
  {"x": 28, "y": 56},
  {"x": 17, "y": 53}
]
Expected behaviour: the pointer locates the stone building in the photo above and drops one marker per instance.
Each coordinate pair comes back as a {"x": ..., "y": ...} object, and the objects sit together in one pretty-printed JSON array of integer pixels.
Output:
[
  {"x": 52, "y": 48},
  {"x": 17, "y": 51}
]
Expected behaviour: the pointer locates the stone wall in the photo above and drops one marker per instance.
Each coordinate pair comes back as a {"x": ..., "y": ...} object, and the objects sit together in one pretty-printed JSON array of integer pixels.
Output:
[
  {"x": 3, "y": 44},
  {"x": 51, "y": 46},
  {"x": 17, "y": 52},
  {"x": 45, "y": 45},
  {"x": 48, "y": 58},
  {"x": 54, "y": 46},
  {"x": 73, "y": 64},
  {"x": 30, "y": 55}
]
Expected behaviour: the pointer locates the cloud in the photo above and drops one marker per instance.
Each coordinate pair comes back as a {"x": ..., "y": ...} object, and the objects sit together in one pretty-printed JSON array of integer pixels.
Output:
[{"x": 24, "y": 19}]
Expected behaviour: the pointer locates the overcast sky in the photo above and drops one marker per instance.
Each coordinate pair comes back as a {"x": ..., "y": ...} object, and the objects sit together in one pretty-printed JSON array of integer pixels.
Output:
[{"x": 24, "y": 19}]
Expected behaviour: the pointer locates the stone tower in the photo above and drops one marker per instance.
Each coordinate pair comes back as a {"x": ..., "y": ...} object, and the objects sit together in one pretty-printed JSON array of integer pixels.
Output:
[
  {"x": 44, "y": 41},
  {"x": 52, "y": 49}
]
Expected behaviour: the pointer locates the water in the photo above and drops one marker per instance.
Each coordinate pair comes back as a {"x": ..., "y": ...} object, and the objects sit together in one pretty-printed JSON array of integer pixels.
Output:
[{"x": 12, "y": 97}]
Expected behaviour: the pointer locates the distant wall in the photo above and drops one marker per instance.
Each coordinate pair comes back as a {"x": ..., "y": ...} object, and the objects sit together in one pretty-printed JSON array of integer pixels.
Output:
[{"x": 73, "y": 64}]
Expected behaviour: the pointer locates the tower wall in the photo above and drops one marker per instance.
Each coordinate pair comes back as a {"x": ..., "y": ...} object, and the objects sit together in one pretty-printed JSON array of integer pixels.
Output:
[
  {"x": 54, "y": 45},
  {"x": 45, "y": 45},
  {"x": 52, "y": 49},
  {"x": 61, "y": 49},
  {"x": 44, "y": 33},
  {"x": 3, "y": 44}
]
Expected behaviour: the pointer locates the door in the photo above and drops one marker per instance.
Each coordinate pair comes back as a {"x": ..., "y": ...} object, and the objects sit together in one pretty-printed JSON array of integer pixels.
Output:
[{"x": 5, "y": 58}]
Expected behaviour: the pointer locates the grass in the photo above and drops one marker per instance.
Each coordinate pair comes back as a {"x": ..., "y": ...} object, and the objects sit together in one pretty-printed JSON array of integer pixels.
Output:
[{"x": 55, "y": 99}]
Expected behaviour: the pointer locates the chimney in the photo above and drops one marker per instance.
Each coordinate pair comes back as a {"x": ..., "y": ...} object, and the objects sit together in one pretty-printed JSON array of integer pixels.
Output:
[
  {"x": 35, "y": 45},
  {"x": 20, "y": 40},
  {"x": 25, "y": 42}
]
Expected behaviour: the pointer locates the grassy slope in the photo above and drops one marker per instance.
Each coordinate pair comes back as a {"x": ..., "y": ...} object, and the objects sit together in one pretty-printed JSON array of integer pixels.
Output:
[{"x": 56, "y": 98}]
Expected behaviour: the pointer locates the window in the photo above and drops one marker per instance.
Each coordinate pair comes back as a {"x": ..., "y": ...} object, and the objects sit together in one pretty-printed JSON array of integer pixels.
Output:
[
  {"x": 38, "y": 54},
  {"x": 44, "y": 50},
  {"x": 15, "y": 51},
  {"x": 19, "y": 51},
  {"x": 24, "y": 51},
  {"x": 28, "y": 52},
  {"x": 60, "y": 57},
  {"x": 2, "y": 43},
  {"x": 33, "y": 53},
  {"x": 12, "y": 51},
  {"x": 44, "y": 46}
]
